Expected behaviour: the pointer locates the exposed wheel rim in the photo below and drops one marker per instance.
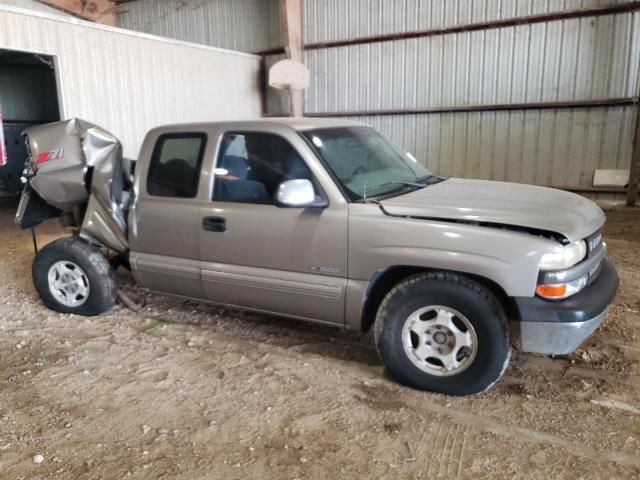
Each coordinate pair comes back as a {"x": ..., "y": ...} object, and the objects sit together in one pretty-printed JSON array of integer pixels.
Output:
[
  {"x": 439, "y": 340},
  {"x": 68, "y": 283}
]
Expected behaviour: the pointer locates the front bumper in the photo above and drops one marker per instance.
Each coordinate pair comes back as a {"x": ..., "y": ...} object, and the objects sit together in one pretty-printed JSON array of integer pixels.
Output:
[{"x": 560, "y": 327}]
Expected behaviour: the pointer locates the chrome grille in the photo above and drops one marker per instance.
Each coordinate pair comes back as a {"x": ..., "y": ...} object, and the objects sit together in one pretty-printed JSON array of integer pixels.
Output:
[{"x": 594, "y": 243}]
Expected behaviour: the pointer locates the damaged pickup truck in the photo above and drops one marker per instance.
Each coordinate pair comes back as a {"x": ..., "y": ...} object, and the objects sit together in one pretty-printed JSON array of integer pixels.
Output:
[{"x": 326, "y": 221}]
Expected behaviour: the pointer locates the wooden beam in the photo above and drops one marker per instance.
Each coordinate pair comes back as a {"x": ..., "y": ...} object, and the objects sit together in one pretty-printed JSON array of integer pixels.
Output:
[
  {"x": 291, "y": 15},
  {"x": 99, "y": 11},
  {"x": 634, "y": 171}
]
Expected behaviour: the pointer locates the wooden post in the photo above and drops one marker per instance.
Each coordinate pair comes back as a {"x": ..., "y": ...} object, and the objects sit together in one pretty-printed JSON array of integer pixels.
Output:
[
  {"x": 99, "y": 11},
  {"x": 291, "y": 14},
  {"x": 634, "y": 171}
]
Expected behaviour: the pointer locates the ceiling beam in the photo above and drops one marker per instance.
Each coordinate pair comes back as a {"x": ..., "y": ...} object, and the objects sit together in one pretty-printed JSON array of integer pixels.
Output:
[{"x": 99, "y": 11}]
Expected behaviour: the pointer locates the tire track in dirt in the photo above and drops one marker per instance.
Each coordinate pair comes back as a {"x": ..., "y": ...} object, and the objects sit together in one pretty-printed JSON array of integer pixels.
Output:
[{"x": 479, "y": 422}]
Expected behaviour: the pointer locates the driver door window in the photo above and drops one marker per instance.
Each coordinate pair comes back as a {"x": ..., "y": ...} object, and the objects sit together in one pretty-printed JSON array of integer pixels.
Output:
[{"x": 251, "y": 165}]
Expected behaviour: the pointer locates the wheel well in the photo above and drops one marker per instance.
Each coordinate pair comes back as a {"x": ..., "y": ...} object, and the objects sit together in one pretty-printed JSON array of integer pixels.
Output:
[{"x": 383, "y": 281}]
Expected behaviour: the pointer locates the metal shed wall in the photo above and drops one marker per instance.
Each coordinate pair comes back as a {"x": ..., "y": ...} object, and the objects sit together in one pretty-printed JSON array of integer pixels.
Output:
[
  {"x": 585, "y": 60},
  {"x": 130, "y": 82},
  {"x": 559, "y": 147},
  {"x": 327, "y": 20},
  {"x": 570, "y": 56},
  {"x": 245, "y": 25},
  {"x": 33, "y": 5},
  {"x": 578, "y": 59}
]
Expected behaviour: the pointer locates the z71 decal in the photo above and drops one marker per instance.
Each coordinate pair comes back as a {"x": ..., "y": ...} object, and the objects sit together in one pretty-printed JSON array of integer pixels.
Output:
[{"x": 55, "y": 154}]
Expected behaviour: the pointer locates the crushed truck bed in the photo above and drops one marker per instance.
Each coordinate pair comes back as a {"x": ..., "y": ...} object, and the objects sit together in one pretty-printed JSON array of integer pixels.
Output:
[{"x": 76, "y": 168}]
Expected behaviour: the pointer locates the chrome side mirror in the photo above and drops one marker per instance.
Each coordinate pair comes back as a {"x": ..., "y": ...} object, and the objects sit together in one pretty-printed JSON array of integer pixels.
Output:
[{"x": 296, "y": 193}]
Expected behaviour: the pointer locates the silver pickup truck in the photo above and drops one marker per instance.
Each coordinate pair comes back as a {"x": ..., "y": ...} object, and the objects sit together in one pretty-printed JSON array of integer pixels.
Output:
[{"x": 325, "y": 221}]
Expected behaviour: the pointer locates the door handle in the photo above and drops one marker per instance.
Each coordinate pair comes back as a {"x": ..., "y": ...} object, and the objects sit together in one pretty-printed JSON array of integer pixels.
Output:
[{"x": 214, "y": 224}]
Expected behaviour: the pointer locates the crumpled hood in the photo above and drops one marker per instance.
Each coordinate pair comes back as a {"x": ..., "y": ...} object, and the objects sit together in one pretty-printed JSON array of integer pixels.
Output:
[{"x": 504, "y": 203}]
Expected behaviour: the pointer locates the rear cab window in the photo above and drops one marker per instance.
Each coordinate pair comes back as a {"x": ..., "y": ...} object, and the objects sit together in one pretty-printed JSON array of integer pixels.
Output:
[{"x": 174, "y": 170}]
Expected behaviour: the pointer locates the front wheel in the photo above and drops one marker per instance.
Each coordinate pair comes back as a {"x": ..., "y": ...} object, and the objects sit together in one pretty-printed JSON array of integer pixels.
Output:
[
  {"x": 72, "y": 276},
  {"x": 443, "y": 332}
]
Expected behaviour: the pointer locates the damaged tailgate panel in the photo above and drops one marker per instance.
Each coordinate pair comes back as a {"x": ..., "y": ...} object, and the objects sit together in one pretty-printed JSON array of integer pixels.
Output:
[{"x": 75, "y": 164}]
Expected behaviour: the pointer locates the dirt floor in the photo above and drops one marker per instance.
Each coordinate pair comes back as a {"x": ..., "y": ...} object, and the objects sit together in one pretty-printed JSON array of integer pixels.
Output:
[{"x": 219, "y": 393}]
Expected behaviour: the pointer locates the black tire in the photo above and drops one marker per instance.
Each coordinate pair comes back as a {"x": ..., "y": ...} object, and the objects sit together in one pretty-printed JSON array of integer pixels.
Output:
[
  {"x": 99, "y": 274},
  {"x": 457, "y": 292}
]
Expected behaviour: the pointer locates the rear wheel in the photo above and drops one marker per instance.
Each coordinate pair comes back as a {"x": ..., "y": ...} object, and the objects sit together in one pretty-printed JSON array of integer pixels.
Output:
[
  {"x": 444, "y": 333},
  {"x": 72, "y": 276}
]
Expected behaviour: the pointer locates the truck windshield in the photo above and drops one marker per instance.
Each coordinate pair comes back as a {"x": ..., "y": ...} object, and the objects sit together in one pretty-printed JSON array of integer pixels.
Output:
[{"x": 366, "y": 163}]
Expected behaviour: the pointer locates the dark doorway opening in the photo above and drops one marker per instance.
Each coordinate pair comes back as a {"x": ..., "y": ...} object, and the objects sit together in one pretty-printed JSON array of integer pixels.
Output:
[{"x": 28, "y": 96}]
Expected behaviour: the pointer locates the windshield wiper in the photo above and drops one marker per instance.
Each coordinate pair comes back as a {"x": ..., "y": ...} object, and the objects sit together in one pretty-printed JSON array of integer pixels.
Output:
[
  {"x": 419, "y": 183},
  {"x": 430, "y": 179},
  {"x": 395, "y": 182}
]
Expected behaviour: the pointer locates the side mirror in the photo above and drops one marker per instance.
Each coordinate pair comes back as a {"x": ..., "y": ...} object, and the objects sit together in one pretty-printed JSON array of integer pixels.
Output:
[{"x": 296, "y": 193}]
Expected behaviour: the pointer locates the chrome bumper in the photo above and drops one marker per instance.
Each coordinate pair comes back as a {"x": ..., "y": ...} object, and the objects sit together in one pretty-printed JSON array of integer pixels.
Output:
[{"x": 555, "y": 337}]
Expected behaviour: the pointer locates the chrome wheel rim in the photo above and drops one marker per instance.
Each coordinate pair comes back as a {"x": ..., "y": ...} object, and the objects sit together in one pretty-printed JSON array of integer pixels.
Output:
[
  {"x": 439, "y": 340},
  {"x": 68, "y": 283}
]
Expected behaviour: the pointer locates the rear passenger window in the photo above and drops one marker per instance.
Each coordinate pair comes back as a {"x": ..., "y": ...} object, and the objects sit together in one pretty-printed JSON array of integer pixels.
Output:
[{"x": 174, "y": 170}]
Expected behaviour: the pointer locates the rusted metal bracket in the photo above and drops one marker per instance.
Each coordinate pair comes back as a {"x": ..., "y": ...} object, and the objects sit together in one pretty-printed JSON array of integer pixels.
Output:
[{"x": 604, "y": 102}]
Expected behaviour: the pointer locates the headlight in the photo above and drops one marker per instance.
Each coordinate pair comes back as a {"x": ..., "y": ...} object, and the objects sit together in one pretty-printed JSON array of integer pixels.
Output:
[{"x": 565, "y": 257}]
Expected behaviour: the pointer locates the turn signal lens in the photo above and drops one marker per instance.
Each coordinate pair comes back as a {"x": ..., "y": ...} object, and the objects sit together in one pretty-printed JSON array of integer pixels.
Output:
[
  {"x": 552, "y": 291},
  {"x": 562, "y": 290}
]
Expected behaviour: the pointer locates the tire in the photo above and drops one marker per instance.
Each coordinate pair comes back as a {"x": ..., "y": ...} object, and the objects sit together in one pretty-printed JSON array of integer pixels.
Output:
[
  {"x": 72, "y": 276},
  {"x": 449, "y": 312}
]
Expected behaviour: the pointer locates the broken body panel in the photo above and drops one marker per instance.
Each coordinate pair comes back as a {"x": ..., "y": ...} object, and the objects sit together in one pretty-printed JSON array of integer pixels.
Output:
[{"x": 76, "y": 166}]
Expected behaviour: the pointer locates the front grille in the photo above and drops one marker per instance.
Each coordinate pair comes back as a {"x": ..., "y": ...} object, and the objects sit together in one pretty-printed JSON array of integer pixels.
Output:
[
  {"x": 594, "y": 243},
  {"x": 594, "y": 246}
]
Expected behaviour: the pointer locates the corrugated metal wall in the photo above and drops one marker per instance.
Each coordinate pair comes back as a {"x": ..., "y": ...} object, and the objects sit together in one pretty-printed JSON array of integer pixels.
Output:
[
  {"x": 327, "y": 20},
  {"x": 581, "y": 59},
  {"x": 560, "y": 147},
  {"x": 130, "y": 82},
  {"x": 245, "y": 25},
  {"x": 33, "y": 5}
]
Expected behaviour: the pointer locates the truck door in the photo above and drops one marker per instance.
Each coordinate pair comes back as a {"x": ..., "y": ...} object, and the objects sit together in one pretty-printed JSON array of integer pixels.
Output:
[
  {"x": 165, "y": 221},
  {"x": 258, "y": 255}
]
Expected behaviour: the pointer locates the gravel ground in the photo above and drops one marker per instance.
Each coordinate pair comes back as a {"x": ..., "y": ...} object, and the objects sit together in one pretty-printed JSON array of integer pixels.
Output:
[{"x": 188, "y": 391}]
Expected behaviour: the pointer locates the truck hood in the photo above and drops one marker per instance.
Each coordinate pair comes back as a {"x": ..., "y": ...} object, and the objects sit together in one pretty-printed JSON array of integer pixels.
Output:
[{"x": 501, "y": 203}]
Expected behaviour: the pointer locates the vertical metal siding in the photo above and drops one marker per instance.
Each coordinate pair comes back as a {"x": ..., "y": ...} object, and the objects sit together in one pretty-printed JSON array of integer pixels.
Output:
[
  {"x": 579, "y": 59},
  {"x": 33, "y": 5},
  {"x": 245, "y": 25},
  {"x": 560, "y": 148},
  {"x": 130, "y": 83},
  {"x": 329, "y": 20}
]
